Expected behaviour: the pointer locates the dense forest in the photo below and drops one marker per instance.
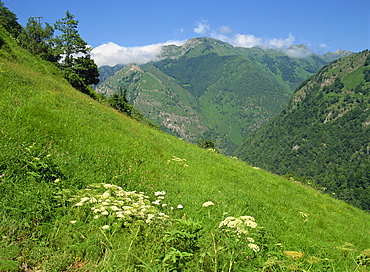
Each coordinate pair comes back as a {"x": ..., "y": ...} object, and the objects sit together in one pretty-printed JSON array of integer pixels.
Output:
[{"x": 322, "y": 136}]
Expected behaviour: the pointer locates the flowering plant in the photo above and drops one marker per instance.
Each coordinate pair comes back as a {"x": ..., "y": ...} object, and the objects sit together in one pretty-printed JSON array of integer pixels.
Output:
[
  {"x": 110, "y": 204},
  {"x": 241, "y": 228}
]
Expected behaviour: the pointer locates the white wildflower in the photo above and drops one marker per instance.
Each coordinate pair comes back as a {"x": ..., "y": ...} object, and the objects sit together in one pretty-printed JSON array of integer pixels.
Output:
[
  {"x": 73, "y": 221},
  {"x": 105, "y": 227},
  {"x": 207, "y": 204},
  {"x": 247, "y": 217},
  {"x": 120, "y": 215},
  {"x": 180, "y": 206},
  {"x": 159, "y": 193},
  {"x": 106, "y": 194},
  {"x": 250, "y": 239},
  {"x": 114, "y": 208},
  {"x": 93, "y": 200},
  {"x": 105, "y": 213},
  {"x": 254, "y": 247}
]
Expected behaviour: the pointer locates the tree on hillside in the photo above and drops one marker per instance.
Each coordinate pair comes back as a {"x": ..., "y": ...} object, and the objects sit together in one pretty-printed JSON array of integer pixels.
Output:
[
  {"x": 9, "y": 21},
  {"x": 120, "y": 102},
  {"x": 38, "y": 40},
  {"x": 77, "y": 66}
]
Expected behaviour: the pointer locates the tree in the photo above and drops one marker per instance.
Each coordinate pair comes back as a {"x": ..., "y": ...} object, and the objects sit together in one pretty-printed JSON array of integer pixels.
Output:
[
  {"x": 77, "y": 66},
  {"x": 9, "y": 21},
  {"x": 38, "y": 40},
  {"x": 120, "y": 102},
  {"x": 69, "y": 43}
]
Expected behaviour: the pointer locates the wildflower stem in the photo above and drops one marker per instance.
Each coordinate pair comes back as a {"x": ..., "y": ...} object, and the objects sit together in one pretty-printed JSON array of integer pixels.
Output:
[
  {"x": 110, "y": 244},
  {"x": 132, "y": 241},
  {"x": 231, "y": 260},
  {"x": 215, "y": 251}
]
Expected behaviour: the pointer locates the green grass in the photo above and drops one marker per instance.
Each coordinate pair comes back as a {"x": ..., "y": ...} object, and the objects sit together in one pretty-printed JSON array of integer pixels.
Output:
[{"x": 56, "y": 143}]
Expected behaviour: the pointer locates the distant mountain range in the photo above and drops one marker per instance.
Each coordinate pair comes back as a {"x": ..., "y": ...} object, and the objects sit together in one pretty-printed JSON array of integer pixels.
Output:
[
  {"x": 208, "y": 89},
  {"x": 324, "y": 133}
]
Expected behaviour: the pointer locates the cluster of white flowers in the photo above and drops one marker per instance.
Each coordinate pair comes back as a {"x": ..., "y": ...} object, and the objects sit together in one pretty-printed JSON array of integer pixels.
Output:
[
  {"x": 160, "y": 198},
  {"x": 118, "y": 204},
  {"x": 207, "y": 204},
  {"x": 179, "y": 160},
  {"x": 240, "y": 226},
  {"x": 304, "y": 215}
]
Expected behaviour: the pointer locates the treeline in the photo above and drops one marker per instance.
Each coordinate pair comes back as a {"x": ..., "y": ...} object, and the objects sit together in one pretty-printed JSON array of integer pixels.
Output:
[
  {"x": 62, "y": 45},
  {"x": 322, "y": 138}
]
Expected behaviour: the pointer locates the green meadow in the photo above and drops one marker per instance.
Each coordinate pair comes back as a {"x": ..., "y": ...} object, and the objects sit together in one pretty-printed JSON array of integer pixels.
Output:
[{"x": 86, "y": 188}]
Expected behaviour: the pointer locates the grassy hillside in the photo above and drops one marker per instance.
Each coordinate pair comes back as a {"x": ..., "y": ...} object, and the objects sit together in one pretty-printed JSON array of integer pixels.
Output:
[
  {"x": 323, "y": 134},
  {"x": 63, "y": 156}
]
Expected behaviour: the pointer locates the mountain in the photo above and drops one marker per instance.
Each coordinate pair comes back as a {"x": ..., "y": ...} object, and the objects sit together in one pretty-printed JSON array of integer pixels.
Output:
[
  {"x": 324, "y": 133},
  {"x": 107, "y": 71},
  {"x": 331, "y": 56},
  {"x": 86, "y": 188},
  {"x": 208, "y": 89}
]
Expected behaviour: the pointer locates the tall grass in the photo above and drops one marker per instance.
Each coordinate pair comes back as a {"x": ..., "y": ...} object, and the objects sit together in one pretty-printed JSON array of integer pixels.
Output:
[{"x": 59, "y": 147}]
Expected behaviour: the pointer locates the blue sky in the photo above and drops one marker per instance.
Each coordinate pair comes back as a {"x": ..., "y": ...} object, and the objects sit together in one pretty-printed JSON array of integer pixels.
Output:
[{"x": 122, "y": 31}]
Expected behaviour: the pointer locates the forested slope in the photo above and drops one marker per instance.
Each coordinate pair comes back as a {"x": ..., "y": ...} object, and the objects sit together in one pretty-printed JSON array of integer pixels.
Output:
[{"x": 324, "y": 133}]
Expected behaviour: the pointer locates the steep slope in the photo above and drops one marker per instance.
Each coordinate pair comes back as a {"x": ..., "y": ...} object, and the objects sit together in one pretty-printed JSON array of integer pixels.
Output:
[
  {"x": 161, "y": 99},
  {"x": 323, "y": 134},
  {"x": 57, "y": 145},
  {"x": 233, "y": 90}
]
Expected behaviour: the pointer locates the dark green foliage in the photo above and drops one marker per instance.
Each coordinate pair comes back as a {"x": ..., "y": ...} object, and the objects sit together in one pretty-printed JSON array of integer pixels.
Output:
[
  {"x": 70, "y": 41},
  {"x": 120, "y": 102},
  {"x": 367, "y": 74},
  {"x": 37, "y": 40},
  {"x": 80, "y": 71},
  {"x": 9, "y": 21},
  {"x": 206, "y": 144},
  {"x": 323, "y": 135}
]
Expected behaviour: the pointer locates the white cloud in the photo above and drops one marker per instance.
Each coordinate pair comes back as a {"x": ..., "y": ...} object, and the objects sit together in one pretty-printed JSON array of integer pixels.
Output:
[
  {"x": 297, "y": 51},
  {"x": 112, "y": 54},
  {"x": 247, "y": 41},
  {"x": 201, "y": 27},
  {"x": 225, "y": 30},
  {"x": 280, "y": 43},
  {"x": 323, "y": 45},
  {"x": 284, "y": 45}
]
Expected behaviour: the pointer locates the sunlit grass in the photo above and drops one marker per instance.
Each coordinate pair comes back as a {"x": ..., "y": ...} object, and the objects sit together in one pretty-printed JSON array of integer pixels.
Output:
[{"x": 56, "y": 143}]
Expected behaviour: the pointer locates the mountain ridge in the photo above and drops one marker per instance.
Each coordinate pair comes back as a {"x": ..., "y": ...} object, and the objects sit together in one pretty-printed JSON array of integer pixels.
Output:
[
  {"x": 323, "y": 133},
  {"x": 234, "y": 89}
]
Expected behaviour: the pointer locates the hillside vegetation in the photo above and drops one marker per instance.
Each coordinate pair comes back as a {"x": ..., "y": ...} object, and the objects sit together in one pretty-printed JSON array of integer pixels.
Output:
[
  {"x": 85, "y": 188},
  {"x": 208, "y": 89},
  {"x": 324, "y": 133}
]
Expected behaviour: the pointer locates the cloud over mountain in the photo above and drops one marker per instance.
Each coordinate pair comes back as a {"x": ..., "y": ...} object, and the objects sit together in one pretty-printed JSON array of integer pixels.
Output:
[
  {"x": 112, "y": 54},
  {"x": 201, "y": 27}
]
